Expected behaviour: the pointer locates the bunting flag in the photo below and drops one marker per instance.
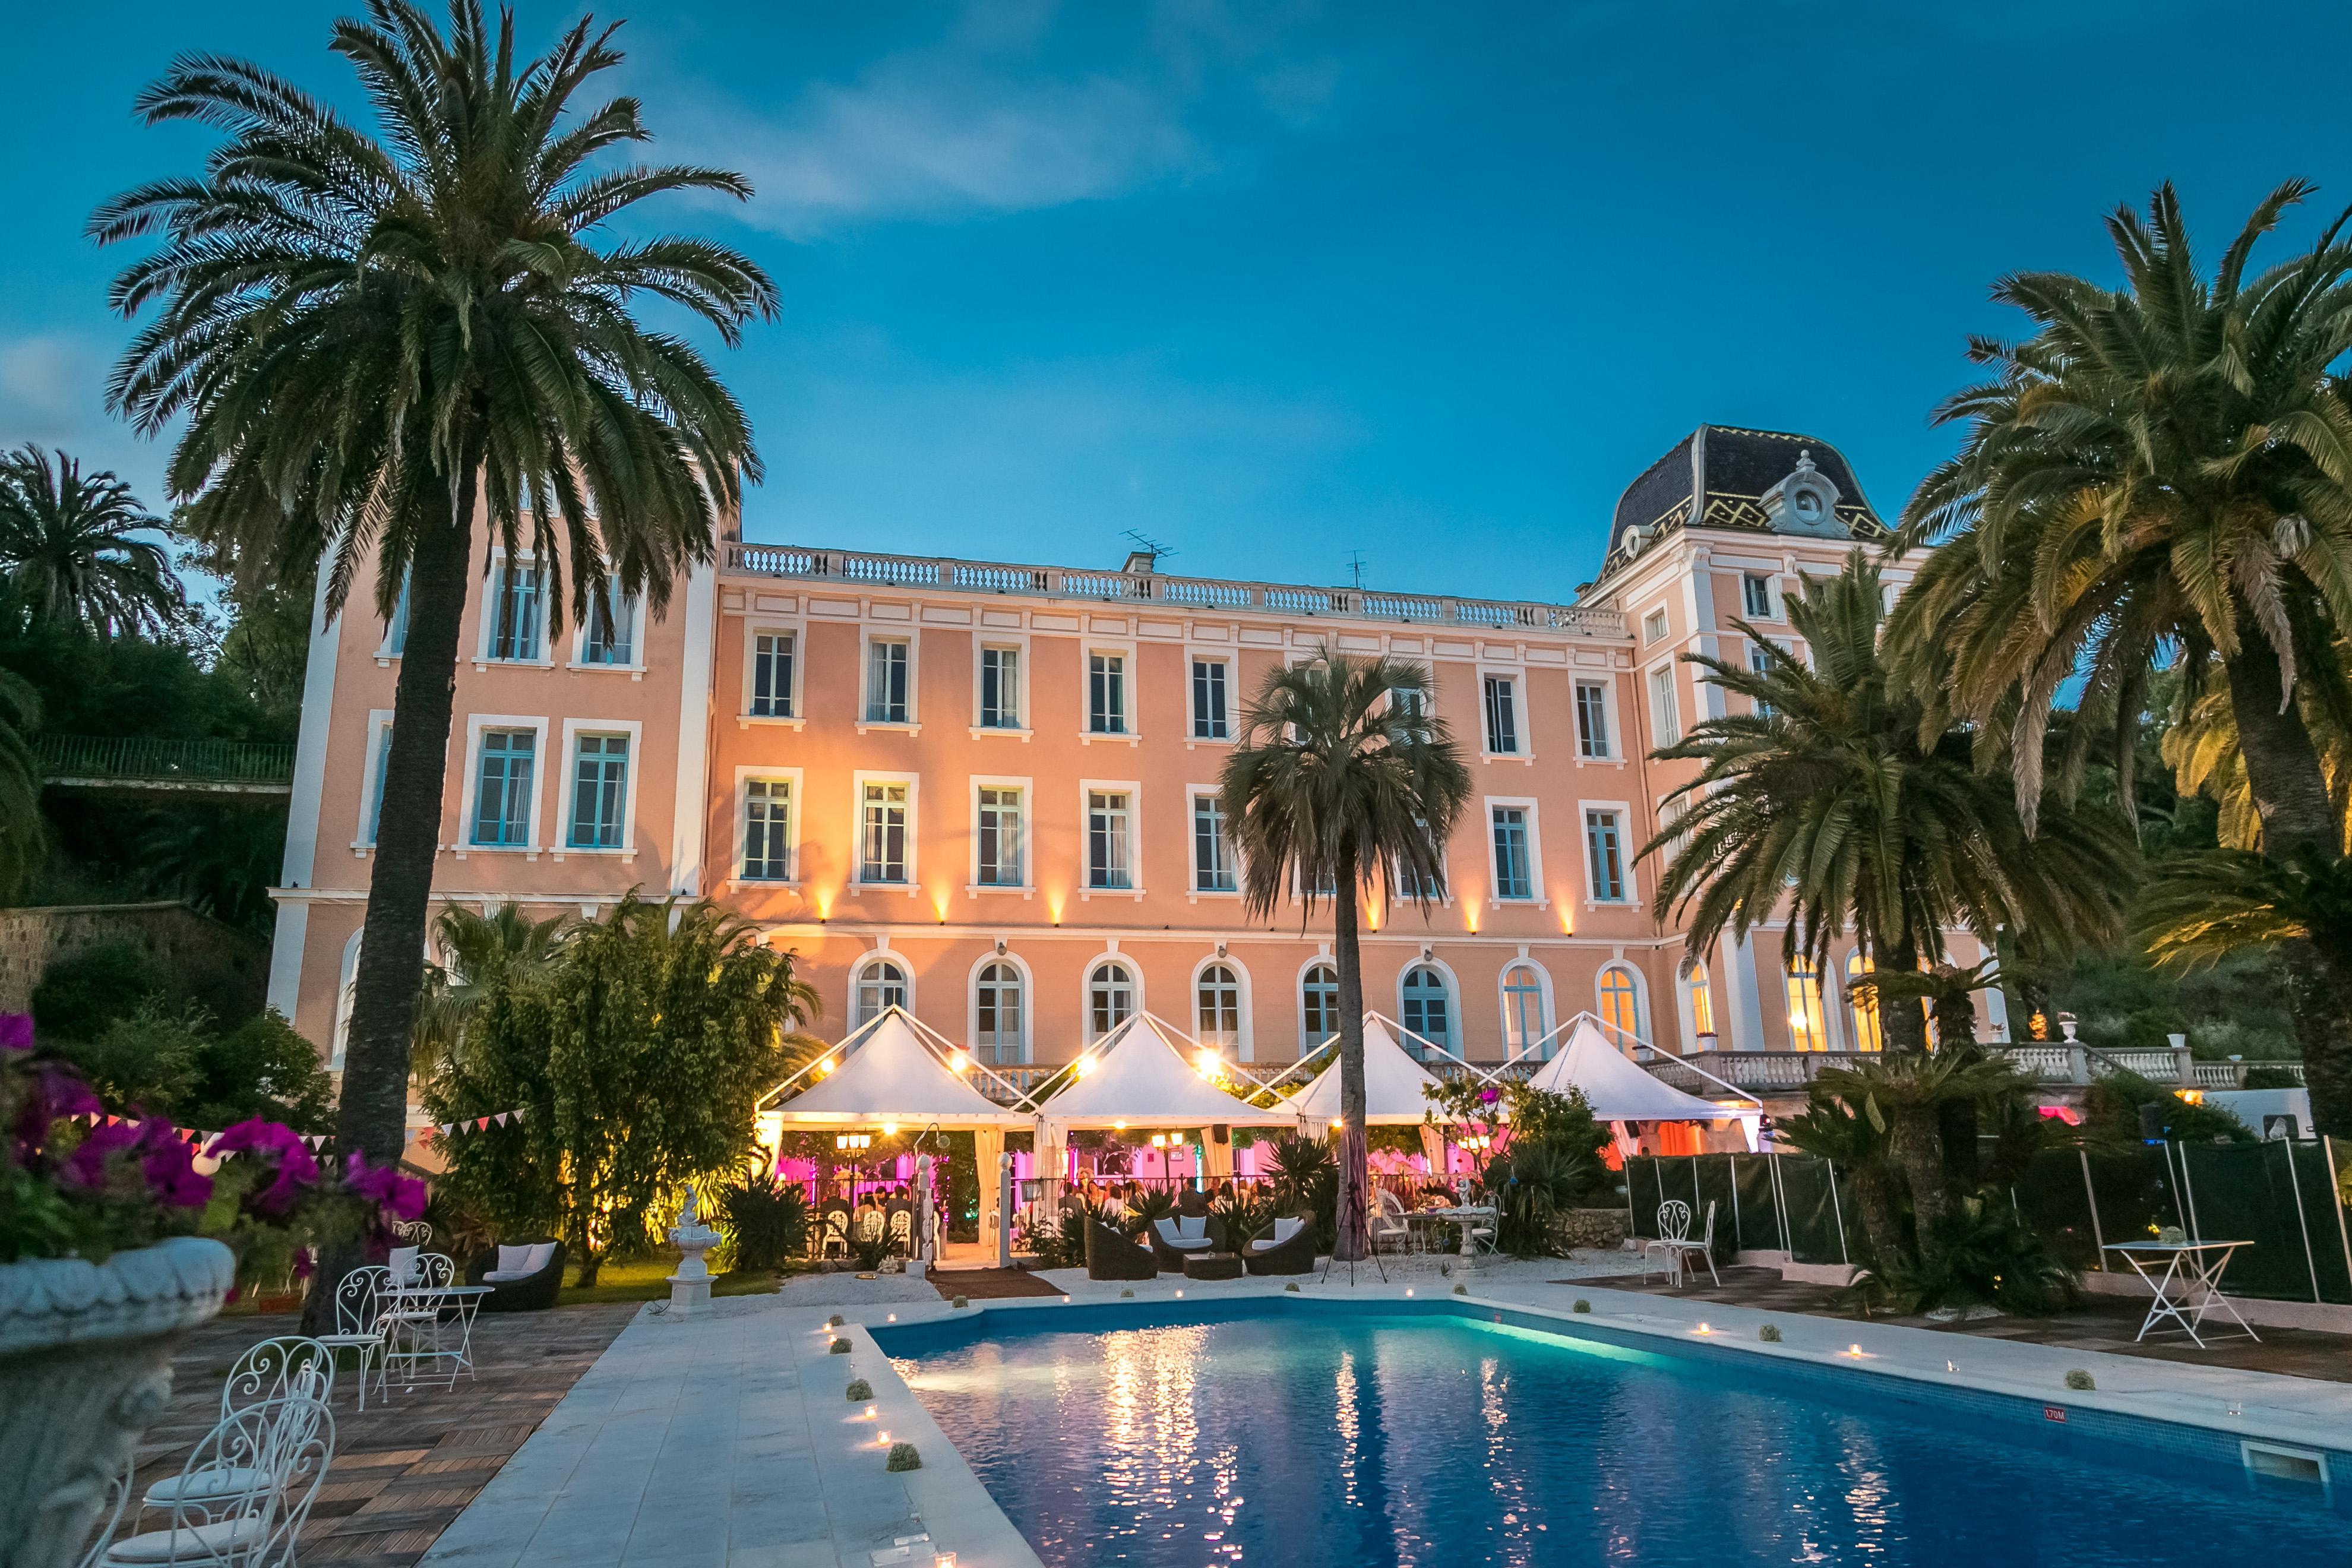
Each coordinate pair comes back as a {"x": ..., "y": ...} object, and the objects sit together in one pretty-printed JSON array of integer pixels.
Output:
[{"x": 472, "y": 1124}]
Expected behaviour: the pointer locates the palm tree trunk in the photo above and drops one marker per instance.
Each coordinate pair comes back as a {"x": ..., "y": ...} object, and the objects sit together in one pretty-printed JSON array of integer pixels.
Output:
[
  {"x": 1355, "y": 1236},
  {"x": 2290, "y": 792},
  {"x": 372, "y": 1118},
  {"x": 1915, "y": 1142},
  {"x": 1873, "y": 1185},
  {"x": 1902, "y": 1023}
]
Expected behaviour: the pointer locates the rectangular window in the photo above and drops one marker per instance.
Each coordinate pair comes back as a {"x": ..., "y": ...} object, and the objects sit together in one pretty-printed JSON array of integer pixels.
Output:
[
  {"x": 1212, "y": 858},
  {"x": 1107, "y": 693},
  {"x": 884, "y": 856},
  {"x": 1653, "y": 626},
  {"x": 1000, "y": 689},
  {"x": 1409, "y": 885},
  {"x": 1592, "y": 719},
  {"x": 1760, "y": 663},
  {"x": 1109, "y": 862},
  {"x": 375, "y": 791},
  {"x": 885, "y": 683},
  {"x": 1756, "y": 595},
  {"x": 502, "y": 788},
  {"x": 767, "y": 830},
  {"x": 1209, "y": 720},
  {"x": 395, "y": 632},
  {"x": 600, "y": 792},
  {"x": 1514, "y": 875},
  {"x": 612, "y": 628},
  {"x": 1604, "y": 847},
  {"x": 1666, "y": 721},
  {"x": 1000, "y": 837},
  {"x": 1502, "y": 717},
  {"x": 771, "y": 675},
  {"x": 514, "y": 613}
]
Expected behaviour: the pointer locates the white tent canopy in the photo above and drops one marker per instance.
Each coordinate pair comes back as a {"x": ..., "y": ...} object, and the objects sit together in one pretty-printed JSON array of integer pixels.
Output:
[
  {"x": 1393, "y": 1082},
  {"x": 1616, "y": 1088},
  {"x": 890, "y": 1071},
  {"x": 1143, "y": 1074}
]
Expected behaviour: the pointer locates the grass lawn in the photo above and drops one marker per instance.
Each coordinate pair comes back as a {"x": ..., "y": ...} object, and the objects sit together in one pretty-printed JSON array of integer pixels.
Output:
[{"x": 648, "y": 1279}]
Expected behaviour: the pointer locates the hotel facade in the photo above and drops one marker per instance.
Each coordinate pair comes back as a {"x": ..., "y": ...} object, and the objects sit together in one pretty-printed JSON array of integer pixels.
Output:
[{"x": 987, "y": 791}]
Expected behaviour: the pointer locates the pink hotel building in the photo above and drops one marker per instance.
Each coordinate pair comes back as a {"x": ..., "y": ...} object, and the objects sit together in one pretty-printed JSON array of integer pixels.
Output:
[{"x": 987, "y": 791}]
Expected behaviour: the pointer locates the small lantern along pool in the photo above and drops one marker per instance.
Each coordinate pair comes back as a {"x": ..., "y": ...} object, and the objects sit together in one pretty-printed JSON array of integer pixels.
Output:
[{"x": 1310, "y": 1434}]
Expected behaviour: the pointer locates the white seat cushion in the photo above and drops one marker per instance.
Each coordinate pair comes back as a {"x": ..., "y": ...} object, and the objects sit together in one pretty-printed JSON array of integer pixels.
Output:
[
  {"x": 1191, "y": 1227},
  {"x": 1284, "y": 1229},
  {"x": 196, "y": 1543},
  {"x": 1172, "y": 1234},
  {"x": 542, "y": 1254},
  {"x": 506, "y": 1276},
  {"x": 403, "y": 1265},
  {"x": 201, "y": 1486},
  {"x": 514, "y": 1262}
]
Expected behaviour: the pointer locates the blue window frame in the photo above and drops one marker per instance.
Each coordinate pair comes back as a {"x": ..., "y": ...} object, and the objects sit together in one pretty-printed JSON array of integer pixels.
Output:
[
  {"x": 514, "y": 613},
  {"x": 1514, "y": 879},
  {"x": 502, "y": 788},
  {"x": 600, "y": 792}
]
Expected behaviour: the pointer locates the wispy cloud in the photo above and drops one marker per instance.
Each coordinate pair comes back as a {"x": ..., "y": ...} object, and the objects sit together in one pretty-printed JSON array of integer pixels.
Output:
[{"x": 53, "y": 392}]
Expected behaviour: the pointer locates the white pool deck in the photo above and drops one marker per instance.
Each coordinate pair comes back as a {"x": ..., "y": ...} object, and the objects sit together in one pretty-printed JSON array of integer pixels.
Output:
[{"x": 725, "y": 1440}]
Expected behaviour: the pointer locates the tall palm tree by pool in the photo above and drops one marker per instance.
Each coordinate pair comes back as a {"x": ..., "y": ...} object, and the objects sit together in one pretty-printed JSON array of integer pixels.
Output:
[
  {"x": 69, "y": 550},
  {"x": 369, "y": 337},
  {"x": 1341, "y": 775}
]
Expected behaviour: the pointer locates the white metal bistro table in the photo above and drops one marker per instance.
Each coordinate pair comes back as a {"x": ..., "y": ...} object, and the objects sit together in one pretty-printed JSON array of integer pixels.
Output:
[
  {"x": 2187, "y": 1287},
  {"x": 1469, "y": 1217},
  {"x": 409, "y": 1304}
]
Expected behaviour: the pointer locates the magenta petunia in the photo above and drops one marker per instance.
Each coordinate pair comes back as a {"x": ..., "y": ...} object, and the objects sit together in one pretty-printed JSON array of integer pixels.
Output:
[
  {"x": 292, "y": 1170},
  {"x": 16, "y": 1031},
  {"x": 403, "y": 1197},
  {"x": 169, "y": 1165}
]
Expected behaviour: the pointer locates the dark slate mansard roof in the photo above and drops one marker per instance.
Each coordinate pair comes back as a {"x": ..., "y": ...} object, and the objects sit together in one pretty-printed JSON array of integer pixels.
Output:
[{"x": 1717, "y": 476}]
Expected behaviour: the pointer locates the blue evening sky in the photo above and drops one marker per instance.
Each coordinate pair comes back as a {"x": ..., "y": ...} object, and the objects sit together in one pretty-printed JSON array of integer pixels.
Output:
[{"x": 1276, "y": 282}]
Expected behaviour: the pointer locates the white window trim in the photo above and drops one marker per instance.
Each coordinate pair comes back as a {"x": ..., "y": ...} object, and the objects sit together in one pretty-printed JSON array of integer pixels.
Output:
[
  {"x": 1087, "y": 1038},
  {"x": 635, "y": 668},
  {"x": 1685, "y": 1011},
  {"x": 798, "y": 631},
  {"x": 1617, "y": 757},
  {"x": 1543, "y": 899},
  {"x": 482, "y": 634},
  {"x": 1225, "y": 656},
  {"x": 795, "y": 812},
  {"x": 1019, "y": 643},
  {"x": 379, "y": 720},
  {"x": 1674, "y": 691},
  {"x": 1195, "y": 892},
  {"x": 1133, "y": 734},
  {"x": 1626, "y": 846},
  {"x": 1028, "y": 1001},
  {"x": 867, "y": 639},
  {"x": 1517, "y": 676},
  {"x": 866, "y": 961},
  {"x": 384, "y": 652},
  {"x": 1775, "y": 590},
  {"x": 1027, "y": 886},
  {"x": 1133, "y": 790},
  {"x": 1460, "y": 1044},
  {"x": 347, "y": 974},
  {"x": 1643, "y": 1015},
  {"x": 573, "y": 729},
  {"x": 1299, "y": 998},
  {"x": 1665, "y": 619},
  {"x": 475, "y": 724},
  {"x": 1245, "y": 1042},
  {"x": 1550, "y": 1019},
  {"x": 857, "y": 782}
]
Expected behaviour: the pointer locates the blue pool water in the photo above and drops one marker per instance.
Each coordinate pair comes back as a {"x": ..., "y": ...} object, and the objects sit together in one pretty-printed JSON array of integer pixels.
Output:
[{"x": 1314, "y": 1436}]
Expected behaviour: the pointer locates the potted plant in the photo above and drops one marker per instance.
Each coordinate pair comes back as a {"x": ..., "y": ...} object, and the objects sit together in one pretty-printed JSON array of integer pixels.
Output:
[{"x": 103, "y": 1270}]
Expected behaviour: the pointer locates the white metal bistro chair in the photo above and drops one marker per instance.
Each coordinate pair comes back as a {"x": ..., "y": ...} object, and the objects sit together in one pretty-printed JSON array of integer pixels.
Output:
[
  {"x": 1676, "y": 1245},
  {"x": 269, "y": 1373},
  {"x": 1387, "y": 1222},
  {"x": 428, "y": 1332},
  {"x": 360, "y": 1301},
  {"x": 276, "y": 1452}
]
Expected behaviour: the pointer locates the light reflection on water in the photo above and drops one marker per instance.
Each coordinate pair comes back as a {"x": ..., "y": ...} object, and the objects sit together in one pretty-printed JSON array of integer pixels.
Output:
[{"x": 1299, "y": 1442}]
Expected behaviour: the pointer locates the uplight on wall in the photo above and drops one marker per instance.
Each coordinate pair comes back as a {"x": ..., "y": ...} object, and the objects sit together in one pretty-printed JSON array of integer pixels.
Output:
[{"x": 958, "y": 1061}]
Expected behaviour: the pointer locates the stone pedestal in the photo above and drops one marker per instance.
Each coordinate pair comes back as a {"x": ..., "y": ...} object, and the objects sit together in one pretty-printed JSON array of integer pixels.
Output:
[{"x": 689, "y": 1288}]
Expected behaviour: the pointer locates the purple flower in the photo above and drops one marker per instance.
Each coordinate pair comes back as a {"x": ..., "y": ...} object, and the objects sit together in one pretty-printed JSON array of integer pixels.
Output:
[
  {"x": 170, "y": 1167},
  {"x": 403, "y": 1197},
  {"x": 56, "y": 1093},
  {"x": 1488, "y": 1096},
  {"x": 85, "y": 1166},
  {"x": 16, "y": 1031},
  {"x": 292, "y": 1169}
]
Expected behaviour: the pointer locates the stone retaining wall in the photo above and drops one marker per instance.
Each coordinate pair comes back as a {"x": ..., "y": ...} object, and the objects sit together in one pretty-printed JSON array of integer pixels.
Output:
[
  {"x": 1602, "y": 1230},
  {"x": 220, "y": 966}
]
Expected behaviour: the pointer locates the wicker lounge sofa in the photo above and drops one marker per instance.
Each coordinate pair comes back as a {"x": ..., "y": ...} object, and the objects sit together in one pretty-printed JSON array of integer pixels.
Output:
[
  {"x": 1288, "y": 1249},
  {"x": 1110, "y": 1256},
  {"x": 1179, "y": 1236},
  {"x": 515, "y": 1286}
]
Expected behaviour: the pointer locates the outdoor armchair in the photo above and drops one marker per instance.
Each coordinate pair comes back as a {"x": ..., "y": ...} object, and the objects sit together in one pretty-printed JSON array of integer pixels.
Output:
[
  {"x": 1110, "y": 1256},
  {"x": 1175, "y": 1238},
  {"x": 1288, "y": 1249},
  {"x": 523, "y": 1277}
]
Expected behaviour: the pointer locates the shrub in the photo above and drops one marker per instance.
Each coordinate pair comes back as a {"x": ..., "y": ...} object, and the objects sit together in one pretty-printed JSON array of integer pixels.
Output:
[
  {"x": 1531, "y": 1185},
  {"x": 1581, "y": 1305},
  {"x": 1980, "y": 1254},
  {"x": 836, "y": 1320},
  {"x": 838, "y": 1347},
  {"x": 83, "y": 991},
  {"x": 767, "y": 1219},
  {"x": 1770, "y": 1333},
  {"x": 1306, "y": 1180},
  {"x": 2111, "y": 1113},
  {"x": 904, "y": 1457},
  {"x": 859, "y": 1389},
  {"x": 960, "y": 1302},
  {"x": 2080, "y": 1380}
]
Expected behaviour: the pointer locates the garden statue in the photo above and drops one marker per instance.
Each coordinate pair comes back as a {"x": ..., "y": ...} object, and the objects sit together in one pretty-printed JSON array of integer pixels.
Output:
[{"x": 689, "y": 1288}]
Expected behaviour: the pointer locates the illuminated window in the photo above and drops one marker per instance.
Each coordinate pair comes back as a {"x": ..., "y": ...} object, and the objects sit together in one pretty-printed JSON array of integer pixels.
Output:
[
  {"x": 1866, "y": 1034},
  {"x": 1620, "y": 1001},
  {"x": 1218, "y": 998},
  {"x": 1702, "y": 998},
  {"x": 1808, "y": 1027}
]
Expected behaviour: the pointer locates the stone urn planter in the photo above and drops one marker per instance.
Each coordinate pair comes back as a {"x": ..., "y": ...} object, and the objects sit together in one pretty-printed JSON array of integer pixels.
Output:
[{"x": 85, "y": 1366}]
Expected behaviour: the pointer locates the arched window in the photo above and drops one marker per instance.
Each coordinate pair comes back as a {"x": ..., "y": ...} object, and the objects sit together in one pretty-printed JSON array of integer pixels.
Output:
[
  {"x": 1318, "y": 998},
  {"x": 1523, "y": 1008},
  {"x": 1808, "y": 1027},
  {"x": 1621, "y": 1002},
  {"x": 880, "y": 984},
  {"x": 1702, "y": 998},
  {"x": 997, "y": 1014},
  {"x": 1218, "y": 996},
  {"x": 1866, "y": 1035},
  {"x": 1428, "y": 1009},
  {"x": 1110, "y": 998}
]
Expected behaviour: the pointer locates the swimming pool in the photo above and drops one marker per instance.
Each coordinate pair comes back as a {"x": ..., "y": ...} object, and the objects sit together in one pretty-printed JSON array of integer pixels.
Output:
[{"x": 1314, "y": 1435}]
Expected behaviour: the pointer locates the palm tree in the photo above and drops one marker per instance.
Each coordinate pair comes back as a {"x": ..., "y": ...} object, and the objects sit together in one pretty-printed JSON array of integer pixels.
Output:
[
  {"x": 1828, "y": 802},
  {"x": 1340, "y": 774},
  {"x": 67, "y": 550},
  {"x": 479, "y": 953},
  {"x": 2160, "y": 471},
  {"x": 372, "y": 338}
]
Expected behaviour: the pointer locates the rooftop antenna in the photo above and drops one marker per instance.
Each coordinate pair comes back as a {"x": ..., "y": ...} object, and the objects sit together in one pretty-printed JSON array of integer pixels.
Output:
[
  {"x": 1356, "y": 568},
  {"x": 1145, "y": 556}
]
